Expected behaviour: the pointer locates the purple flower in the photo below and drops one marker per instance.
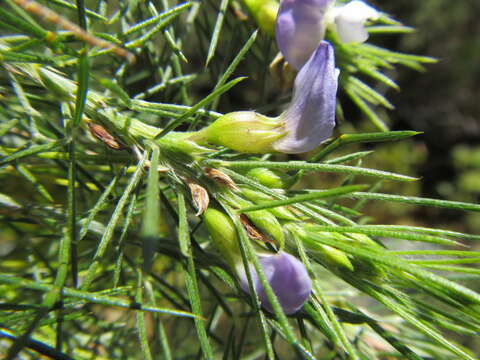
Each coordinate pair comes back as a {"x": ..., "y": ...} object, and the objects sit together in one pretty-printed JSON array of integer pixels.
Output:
[
  {"x": 286, "y": 275},
  {"x": 308, "y": 120},
  {"x": 310, "y": 117},
  {"x": 301, "y": 25},
  {"x": 299, "y": 29}
]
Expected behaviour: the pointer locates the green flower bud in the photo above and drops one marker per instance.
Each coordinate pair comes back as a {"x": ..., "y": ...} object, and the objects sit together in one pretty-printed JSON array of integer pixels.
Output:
[
  {"x": 335, "y": 257},
  {"x": 223, "y": 234},
  {"x": 270, "y": 178},
  {"x": 264, "y": 220},
  {"x": 268, "y": 224},
  {"x": 243, "y": 131},
  {"x": 330, "y": 256},
  {"x": 264, "y": 12},
  {"x": 281, "y": 212},
  {"x": 180, "y": 142}
]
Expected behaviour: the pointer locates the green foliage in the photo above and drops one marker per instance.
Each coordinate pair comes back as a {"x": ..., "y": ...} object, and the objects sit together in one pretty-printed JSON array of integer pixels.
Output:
[{"x": 101, "y": 248}]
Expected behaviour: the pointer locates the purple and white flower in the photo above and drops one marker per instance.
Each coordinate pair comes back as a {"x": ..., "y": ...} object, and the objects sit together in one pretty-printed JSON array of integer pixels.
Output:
[{"x": 301, "y": 25}]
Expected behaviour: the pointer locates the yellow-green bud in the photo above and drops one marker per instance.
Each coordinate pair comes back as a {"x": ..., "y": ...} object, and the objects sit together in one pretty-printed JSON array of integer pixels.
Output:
[
  {"x": 264, "y": 12},
  {"x": 268, "y": 224},
  {"x": 335, "y": 257},
  {"x": 223, "y": 234},
  {"x": 270, "y": 178},
  {"x": 243, "y": 131},
  {"x": 331, "y": 256},
  {"x": 264, "y": 220},
  {"x": 281, "y": 212}
]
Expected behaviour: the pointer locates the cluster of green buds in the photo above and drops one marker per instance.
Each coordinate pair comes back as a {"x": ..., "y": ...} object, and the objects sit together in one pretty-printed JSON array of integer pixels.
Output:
[{"x": 273, "y": 231}]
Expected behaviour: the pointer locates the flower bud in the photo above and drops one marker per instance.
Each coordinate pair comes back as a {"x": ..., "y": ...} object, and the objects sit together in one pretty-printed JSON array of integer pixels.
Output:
[
  {"x": 287, "y": 276},
  {"x": 264, "y": 12},
  {"x": 264, "y": 220},
  {"x": 271, "y": 178},
  {"x": 329, "y": 255},
  {"x": 223, "y": 234},
  {"x": 268, "y": 224},
  {"x": 281, "y": 212},
  {"x": 243, "y": 131}
]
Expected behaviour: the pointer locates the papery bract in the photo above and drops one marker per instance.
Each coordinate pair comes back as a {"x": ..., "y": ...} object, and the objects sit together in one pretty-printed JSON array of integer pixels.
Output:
[
  {"x": 310, "y": 117},
  {"x": 286, "y": 275},
  {"x": 300, "y": 27}
]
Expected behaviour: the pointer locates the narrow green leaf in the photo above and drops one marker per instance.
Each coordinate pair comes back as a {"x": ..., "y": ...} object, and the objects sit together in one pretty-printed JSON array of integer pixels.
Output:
[
  {"x": 366, "y": 110},
  {"x": 109, "y": 230},
  {"x": 91, "y": 297},
  {"x": 139, "y": 42},
  {"x": 30, "y": 177},
  {"x": 117, "y": 90},
  {"x": 151, "y": 214},
  {"x": 243, "y": 240},
  {"x": 347, "y": 139},
  {"x": 349, "y": 157},
  {"x": 327, "y": 317},
  {"x": 102, "y": 200},
  {"x": 382, "y": 257},
  {"x": 233, "y": 65},
  {"x": 379, "y": 231},
  {"x": 399, "y": 29},
  {"x": 301, "y": 165},
  {"x": 173, "y": 11},
  {"x": 216, "y": 30},
  {"x": 33, "y": 150},
  {"x": 140, "y": 316},
  {"x": 307, "y": 197},
  {"x": 191, "y": 277},
  {"x": 457, "y": 205}
]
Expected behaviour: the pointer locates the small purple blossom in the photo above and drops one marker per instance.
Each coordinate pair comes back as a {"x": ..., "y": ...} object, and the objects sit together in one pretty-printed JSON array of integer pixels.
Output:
[
  {"x": 300, "y": 27},
  {"x": 286, "y": 275},
  {"x": 310, "y": 117}
]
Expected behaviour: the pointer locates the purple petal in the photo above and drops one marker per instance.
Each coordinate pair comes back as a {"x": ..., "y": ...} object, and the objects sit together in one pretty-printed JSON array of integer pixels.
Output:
[
  {"x": 310, "y": 118},
  {"x": 299, "y": 29},
  {"x": 288, "y": 278}
]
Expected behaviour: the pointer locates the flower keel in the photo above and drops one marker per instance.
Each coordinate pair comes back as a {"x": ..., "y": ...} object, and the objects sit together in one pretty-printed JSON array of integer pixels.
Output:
[{"x": 286, "y": 275}]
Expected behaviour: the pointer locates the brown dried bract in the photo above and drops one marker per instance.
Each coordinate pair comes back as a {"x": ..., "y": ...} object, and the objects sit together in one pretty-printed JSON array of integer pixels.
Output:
[
  {"x": 104, "y": 136},
  {"x": 221, "y": 178},
  {"x": 199, "y": 196},
  {"x": 239, "y": 14},
  {"x": 252, "y": 231}
]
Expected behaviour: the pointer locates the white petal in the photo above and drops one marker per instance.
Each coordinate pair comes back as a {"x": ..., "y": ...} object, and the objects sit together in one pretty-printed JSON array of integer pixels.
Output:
[{"x": 350, "y": 20}]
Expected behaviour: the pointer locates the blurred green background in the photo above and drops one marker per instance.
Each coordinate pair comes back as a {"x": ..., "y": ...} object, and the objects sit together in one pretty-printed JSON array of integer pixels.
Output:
[{"x": 443, "y": 102}]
